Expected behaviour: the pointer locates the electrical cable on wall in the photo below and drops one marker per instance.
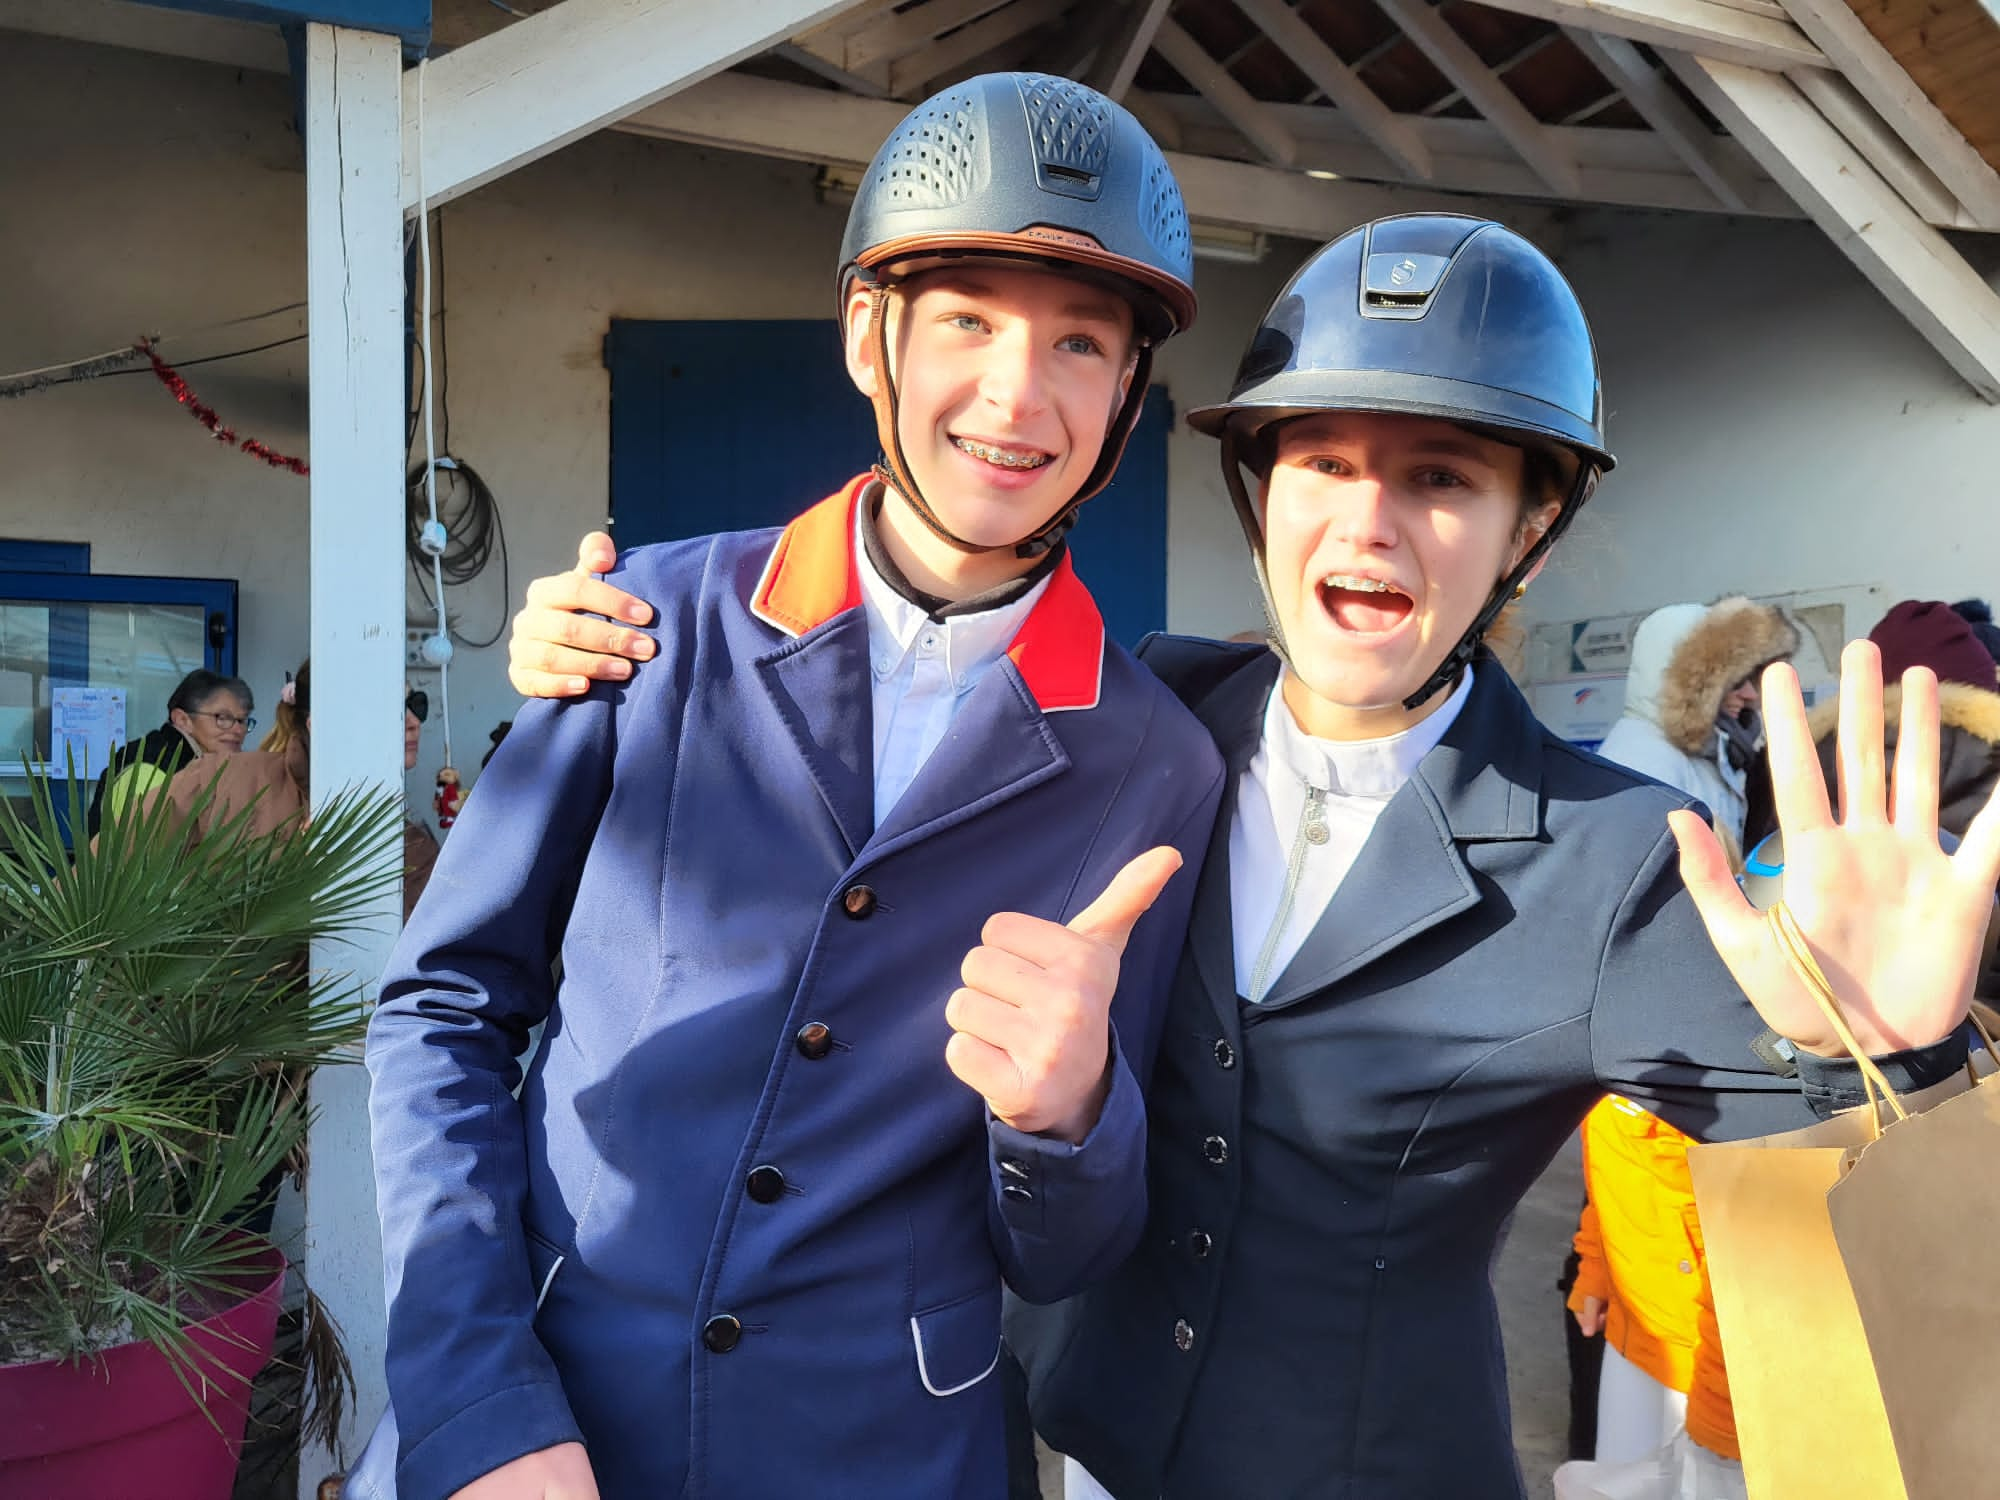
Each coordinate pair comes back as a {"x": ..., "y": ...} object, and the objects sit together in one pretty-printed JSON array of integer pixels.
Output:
[{"x": 432, "y": 538}]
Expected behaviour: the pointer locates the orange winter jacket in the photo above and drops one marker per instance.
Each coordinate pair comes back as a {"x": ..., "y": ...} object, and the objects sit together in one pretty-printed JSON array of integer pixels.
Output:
[{"x": 1641, "y": 1252}]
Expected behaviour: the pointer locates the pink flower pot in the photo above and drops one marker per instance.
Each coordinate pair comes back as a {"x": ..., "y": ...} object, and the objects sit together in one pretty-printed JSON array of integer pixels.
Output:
[{"x": 122, "y": 1426}]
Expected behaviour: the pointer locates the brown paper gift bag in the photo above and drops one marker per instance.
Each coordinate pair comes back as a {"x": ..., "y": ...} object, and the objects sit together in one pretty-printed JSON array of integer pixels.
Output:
[{"x": 1848, "y": 1262}]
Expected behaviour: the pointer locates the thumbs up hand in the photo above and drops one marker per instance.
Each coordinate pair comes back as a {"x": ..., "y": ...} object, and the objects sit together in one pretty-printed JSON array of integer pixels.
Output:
[{"x": 1031, "y": 1024}]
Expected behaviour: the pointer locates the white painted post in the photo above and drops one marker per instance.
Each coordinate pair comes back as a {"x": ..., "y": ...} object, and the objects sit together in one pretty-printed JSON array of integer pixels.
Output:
[{"x": 354, "y": 290}]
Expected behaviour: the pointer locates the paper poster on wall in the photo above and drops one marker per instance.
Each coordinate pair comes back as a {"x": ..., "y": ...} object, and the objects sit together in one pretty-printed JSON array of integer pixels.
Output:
[
  {"x": 1581, "y": 709},
  {"x": 86, "y": 724}
]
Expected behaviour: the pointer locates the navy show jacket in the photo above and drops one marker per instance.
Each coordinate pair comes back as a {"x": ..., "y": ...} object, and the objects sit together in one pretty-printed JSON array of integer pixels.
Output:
[
  {"x": 1309, "y": 1315},
  {"x": 743, "y": 1232}
]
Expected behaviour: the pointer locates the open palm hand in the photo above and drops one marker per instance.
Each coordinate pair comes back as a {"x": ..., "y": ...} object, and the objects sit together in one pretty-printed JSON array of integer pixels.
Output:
[{"x": 1895, "y": 923}]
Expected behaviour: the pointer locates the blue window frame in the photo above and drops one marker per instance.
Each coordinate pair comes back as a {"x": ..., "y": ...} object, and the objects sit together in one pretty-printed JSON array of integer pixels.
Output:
[{"x": 44, "y": 557}]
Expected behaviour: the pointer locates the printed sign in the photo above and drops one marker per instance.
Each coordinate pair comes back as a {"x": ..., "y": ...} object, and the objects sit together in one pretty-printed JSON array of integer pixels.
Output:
[{"x": 86, "y": 725}]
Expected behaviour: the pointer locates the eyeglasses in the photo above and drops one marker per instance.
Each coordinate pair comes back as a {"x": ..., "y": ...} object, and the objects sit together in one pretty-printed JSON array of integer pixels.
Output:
[
  {"x": 418, "y": 704},
  {"x": 227, "y": 721}
]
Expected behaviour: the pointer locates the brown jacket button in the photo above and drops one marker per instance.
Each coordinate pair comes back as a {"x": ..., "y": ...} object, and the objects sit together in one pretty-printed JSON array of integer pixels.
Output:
[
  {"x": 814, "y": 1040},
  {"x": 858, "y": 901}
]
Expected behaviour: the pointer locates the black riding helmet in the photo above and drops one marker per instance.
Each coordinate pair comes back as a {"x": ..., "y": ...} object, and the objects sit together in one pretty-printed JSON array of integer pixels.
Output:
[
  {"x": 1042, "y": 172},
  {"x": 1434, "y": 315}
]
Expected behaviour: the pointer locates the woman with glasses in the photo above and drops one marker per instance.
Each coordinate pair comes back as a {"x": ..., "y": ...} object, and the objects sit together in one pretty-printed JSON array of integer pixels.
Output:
[
  {"x": 274, "y": 780},
  {"x": 207, "y": 714}
]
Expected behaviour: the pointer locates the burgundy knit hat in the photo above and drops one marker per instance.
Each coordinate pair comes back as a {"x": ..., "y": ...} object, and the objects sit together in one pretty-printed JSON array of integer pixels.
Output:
[{"x": 1925, "y": 633}]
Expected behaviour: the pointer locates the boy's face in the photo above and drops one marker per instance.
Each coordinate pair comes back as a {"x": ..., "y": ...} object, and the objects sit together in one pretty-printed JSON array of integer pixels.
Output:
[
  {"x": 1383, "y": 538},
  {"x": 1007, "y": 382}
]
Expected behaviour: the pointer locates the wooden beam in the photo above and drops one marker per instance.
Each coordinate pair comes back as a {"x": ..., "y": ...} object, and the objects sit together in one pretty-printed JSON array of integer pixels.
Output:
[
  {"x": 1629, "y": 168},
  {"x": 791, "y": 121},
  {"x": 817, "y": 59},
  {"x": 1247, "y": 114},
  {"x": 1313, "y": 57},
  {"x": 1486, "y": 92},
  {"x": 356, "y": 363},
  {"x": 893, "y": 34},
  {"x": 1119, "y": 63},
  {"x": 1866, "y": 131},
  {"x": 1882, "y": 81},
  {"x": 1711, "y": 28},
  {"x": 908, "y": 75},
  {"x": 1909, "y": 262},
  {"x": 535, "y": 86},
  {"x": 1668, "y": 113}
]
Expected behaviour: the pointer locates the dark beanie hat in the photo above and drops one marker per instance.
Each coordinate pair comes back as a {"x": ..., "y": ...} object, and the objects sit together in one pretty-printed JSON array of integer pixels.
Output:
[
  {"x": 1926, "y": 633},
  {"x": 1979, "y": 615}
]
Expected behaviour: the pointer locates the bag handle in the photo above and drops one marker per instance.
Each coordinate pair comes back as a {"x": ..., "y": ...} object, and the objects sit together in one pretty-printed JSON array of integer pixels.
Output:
[{"x": 1785, "y": 928}]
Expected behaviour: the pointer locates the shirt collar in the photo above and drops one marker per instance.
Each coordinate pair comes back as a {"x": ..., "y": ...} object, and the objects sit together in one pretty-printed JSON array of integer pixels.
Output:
[
  {"x": 972, "y": 641},
  {"x": 814, "y": 573},
  {"x": 1375, "y": 769}
]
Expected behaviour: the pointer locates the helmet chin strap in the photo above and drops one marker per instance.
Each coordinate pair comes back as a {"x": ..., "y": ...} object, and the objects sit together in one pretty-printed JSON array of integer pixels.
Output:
[
  {"x": 1468, "y": 644},
  {"x": 894, "y": 468}
]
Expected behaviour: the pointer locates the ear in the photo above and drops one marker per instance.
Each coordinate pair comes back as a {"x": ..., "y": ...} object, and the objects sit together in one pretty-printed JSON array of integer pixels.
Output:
[
  {"x": 860, "y": 334},
  {"x": 181, "y": 720},
  {"x": 1533, "y": 528}
]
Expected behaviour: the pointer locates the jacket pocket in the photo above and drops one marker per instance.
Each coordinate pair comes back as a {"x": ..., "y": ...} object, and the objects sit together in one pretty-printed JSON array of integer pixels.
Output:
[
  {"x": 958, "y": 1343},
  {"x": 544, "y": 1260}
]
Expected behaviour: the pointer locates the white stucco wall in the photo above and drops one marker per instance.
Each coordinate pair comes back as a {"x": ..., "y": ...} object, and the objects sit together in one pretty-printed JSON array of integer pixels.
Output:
[{"x": 1780, "y": 428}]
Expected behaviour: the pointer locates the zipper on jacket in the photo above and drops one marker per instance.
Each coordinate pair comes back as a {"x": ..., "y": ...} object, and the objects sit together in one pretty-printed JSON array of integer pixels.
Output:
[{"x": 1312, "y": 831}]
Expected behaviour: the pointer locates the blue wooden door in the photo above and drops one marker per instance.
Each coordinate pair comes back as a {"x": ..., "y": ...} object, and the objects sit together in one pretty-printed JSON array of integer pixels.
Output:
[{"x": 728, "y": 426}]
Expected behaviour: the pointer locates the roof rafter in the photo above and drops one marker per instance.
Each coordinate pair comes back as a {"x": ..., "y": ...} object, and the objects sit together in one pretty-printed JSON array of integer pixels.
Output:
[
  {"x": 1250, "y": 115},
  {"x": 1909, "y": 262},
  {"x": 531, "y": 88},
  {"x": 1486, "y": 92},
  {"x": 1668, "y": 113},
  {"x": 1884, "y": 83},
  {"x": 1866, "y": 131},
  {"x": 908, "y": 75},
  {"x": 1312, "y": 56},
  {"x": 1713, "y": 28},
  {"x": 1119, "y": 62}
]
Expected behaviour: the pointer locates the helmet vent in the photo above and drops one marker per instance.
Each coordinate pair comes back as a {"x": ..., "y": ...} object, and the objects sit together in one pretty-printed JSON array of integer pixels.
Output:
[
  {"x": 1162, "y": 211},
  {"x": 1071, "y": 127},
  {"x": 931, "y": 161}
]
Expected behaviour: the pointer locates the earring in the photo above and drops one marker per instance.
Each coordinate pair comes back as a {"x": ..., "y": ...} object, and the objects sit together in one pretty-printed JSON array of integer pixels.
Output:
[{"x": 1520, "y": 591}]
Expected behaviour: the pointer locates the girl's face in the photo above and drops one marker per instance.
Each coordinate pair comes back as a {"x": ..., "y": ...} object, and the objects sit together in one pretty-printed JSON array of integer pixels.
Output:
[{"x": 1383, "y": 537}]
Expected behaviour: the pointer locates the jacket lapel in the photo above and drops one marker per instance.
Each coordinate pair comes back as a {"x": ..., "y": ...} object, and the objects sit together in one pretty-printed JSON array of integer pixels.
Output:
[
  {"x": 1481, "y": 783},
  {"x": 1234, "y": 716},
  {"x": 819, "y": 686}
]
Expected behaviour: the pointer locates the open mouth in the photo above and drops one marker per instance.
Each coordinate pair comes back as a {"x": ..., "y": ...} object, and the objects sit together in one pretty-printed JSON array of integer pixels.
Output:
[
  {"x": 1003, "y": 455},
  {"x": 1362, "y": 605}
]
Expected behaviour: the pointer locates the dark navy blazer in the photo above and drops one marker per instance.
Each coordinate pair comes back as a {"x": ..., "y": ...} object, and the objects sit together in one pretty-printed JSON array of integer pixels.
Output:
[
  {"x": 743, "y": 1232},
  {"x": 1309, "y": 1313}
]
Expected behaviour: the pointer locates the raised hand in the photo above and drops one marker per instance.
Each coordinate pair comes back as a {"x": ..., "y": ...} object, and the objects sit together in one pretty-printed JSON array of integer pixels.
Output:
[
  {"x": 1895, "y": 923},
  {"x": 558, "y": 1473},
  {"x": 556, "y": 649},
  {"x": 1031, "y": 1026}
]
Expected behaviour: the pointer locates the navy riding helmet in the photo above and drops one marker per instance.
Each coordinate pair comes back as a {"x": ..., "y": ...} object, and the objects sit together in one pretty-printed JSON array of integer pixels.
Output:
[{"x": 1435, "y": 315}]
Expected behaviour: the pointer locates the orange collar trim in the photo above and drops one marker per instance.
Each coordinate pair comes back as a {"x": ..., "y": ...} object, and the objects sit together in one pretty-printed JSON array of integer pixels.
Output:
[{"x": 811, "y": 577}]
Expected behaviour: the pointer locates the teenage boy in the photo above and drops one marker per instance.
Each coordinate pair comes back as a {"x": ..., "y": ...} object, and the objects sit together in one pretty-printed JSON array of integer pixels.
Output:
[
  {"x": 804, "y": 1100},
  {"x": 1429, "y": 934}
]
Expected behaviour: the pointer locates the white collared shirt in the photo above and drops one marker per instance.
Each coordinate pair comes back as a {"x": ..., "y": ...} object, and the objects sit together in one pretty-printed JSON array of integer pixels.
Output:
[
  {"x": 1304, "y": 808},
  {"x": 922, "y": 670}
]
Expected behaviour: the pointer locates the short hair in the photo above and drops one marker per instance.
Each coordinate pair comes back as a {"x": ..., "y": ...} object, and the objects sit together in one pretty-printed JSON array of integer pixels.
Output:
[{"x": 200, "y": 685}]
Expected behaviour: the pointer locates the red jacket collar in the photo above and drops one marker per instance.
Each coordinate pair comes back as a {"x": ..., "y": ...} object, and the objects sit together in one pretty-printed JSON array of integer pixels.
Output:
[{"x": 811, "y": 577}]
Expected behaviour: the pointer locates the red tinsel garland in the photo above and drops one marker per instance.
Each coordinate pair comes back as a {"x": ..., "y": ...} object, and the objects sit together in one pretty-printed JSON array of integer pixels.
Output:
[{"x": 206, "y": 414}]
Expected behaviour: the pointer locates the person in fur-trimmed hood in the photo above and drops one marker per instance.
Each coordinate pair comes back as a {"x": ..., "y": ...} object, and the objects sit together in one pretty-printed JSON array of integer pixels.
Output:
[{"x": 1691, "y": 716}]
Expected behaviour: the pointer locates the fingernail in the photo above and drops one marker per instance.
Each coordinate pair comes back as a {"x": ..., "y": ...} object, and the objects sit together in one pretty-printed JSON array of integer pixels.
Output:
[
  {"x": 577, "y": 684},
  {"x": 638, "y": 614},
  {"x": 643, "y": 647},
  {"x": 618, "y": 671}
]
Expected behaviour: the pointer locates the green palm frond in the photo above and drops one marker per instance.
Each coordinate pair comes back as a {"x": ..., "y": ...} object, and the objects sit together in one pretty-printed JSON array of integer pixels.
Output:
[{"x": 158, "y": 1009}]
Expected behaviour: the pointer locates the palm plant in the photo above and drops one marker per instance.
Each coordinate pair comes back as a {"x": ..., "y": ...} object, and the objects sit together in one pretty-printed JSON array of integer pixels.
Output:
[{"x": 157, "y": 1011}]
